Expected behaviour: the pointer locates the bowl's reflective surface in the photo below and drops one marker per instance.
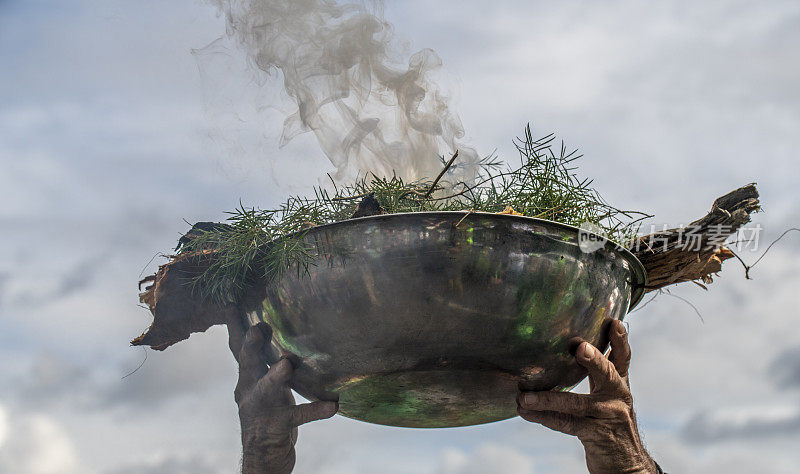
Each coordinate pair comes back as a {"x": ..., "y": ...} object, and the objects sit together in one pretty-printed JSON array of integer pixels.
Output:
[{"x": 436, "y": 319}]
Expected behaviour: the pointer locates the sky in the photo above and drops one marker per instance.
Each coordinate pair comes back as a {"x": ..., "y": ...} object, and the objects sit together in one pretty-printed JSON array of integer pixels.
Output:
[{"x": 113, "y": 135}]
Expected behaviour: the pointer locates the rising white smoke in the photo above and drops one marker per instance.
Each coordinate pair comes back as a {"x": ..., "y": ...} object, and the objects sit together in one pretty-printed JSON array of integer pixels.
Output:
[{"x": 368, "y": 113}]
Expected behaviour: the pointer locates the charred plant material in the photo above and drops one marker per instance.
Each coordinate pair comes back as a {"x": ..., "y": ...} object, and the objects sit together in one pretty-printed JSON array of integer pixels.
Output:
[
  {"x": 369, "y": 206},
  {"x": 198, "y": 229}
]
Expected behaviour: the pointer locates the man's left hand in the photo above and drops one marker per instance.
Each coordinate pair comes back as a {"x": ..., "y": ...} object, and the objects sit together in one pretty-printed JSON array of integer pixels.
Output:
[{"x": 267, "y": 411}]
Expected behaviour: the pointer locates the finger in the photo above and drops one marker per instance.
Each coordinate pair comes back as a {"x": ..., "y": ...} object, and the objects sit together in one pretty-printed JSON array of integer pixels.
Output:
[
  {"x": 276, "y": 379},
  {"x": 252, "y": 358},
  {"x": 562, "y": 402},
  {"x": 602, "y": 372},
  {"x": 235, "y": 336},
  {"x": 562, "y": 422},
  {"x": 278, "y": 376},
  {"x": 313, "y": 411},
  {"x": 281, "y": 372},
  {"x": 620, "y": 354}
]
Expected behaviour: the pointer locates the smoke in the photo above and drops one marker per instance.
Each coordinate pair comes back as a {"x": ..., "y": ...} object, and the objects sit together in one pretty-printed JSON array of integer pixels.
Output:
[{"x": 369, "y": 113}]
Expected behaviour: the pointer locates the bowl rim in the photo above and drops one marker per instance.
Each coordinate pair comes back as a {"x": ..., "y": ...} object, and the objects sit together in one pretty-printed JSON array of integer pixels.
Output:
[{"x": 637, "y": 268}]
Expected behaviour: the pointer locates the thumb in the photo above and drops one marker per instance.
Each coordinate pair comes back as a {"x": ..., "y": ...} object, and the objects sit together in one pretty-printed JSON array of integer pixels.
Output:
[{"x": 313, "y": 411}]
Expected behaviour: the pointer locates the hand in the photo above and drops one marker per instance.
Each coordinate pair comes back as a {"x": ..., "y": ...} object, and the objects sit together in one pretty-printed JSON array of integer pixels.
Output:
[
  {"x": 267, "y": 411},
  {"x": 603, "y": 420}
]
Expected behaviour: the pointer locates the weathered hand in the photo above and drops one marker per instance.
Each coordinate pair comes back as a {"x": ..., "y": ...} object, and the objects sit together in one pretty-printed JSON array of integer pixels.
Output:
[
  {"x": 267, "y": 411},
  {"x": 603, "y": 420}
]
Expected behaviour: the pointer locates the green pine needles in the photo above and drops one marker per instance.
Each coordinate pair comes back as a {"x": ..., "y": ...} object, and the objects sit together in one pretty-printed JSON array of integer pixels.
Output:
[{"x": 265, "y": 244}]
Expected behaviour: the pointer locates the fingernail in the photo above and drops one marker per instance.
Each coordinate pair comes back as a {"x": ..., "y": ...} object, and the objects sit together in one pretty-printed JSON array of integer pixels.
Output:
[
  {"x": 530, "y": 398},
  {"x": 620, "y": 329},
  {"x": 588, "y": 351}
]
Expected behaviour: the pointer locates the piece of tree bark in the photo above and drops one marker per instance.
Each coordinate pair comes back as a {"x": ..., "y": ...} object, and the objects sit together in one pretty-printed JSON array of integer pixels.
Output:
[
  {"x": 695, "y": 252},
  {"x": 178, "y": 312}
]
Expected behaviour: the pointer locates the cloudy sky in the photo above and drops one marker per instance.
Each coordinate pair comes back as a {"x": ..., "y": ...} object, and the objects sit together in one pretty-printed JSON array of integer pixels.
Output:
[{"x": 112, "y": 133}]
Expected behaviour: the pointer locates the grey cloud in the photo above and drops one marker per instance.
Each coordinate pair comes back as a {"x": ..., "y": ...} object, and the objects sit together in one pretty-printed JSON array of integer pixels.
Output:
[
  {"x": 710, "y": 427},
  {"x": 73, "y": 281},
  {"x": 706, "y": 428},
  {"x": 39, "y": 445},
  {"x": 51, "y": 379},
  {"x": 78, "y": 278},
  {"x": 190, "y": 370},
  {"x": 171, "y": 465},
  {"x": 4, "y": 277},
  {"x": 486, "y": 458},
  {"x": 786, "y": 368},
  {"x": 196, "y": 369}
]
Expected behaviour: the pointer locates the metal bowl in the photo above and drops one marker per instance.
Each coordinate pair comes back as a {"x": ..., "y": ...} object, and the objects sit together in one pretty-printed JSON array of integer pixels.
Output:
[{"x": 437, "y": 319}]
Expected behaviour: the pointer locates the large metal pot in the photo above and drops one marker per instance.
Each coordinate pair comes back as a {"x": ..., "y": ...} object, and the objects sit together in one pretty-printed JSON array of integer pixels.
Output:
[{"x": 436, "y": 319}]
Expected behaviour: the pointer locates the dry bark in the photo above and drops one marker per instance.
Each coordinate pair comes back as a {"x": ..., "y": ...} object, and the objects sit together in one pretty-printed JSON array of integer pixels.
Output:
[
  {"x": 665, "y": 255},
  {"x": 178, "y": 312}
]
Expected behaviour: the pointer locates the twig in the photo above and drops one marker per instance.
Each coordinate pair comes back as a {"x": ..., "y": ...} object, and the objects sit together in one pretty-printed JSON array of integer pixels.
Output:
[
  {"x": 349, "y": 198},
  {"x": 140, "y": 365},
  {"x": 444, "y": 170},
  {"x": 645, "y": 303},
  {"x": 465, "y": 216},
  {"x": 667, "y": 292},
  {"x": 748, "y": 267},
  {"x": 148, "y": 264}
]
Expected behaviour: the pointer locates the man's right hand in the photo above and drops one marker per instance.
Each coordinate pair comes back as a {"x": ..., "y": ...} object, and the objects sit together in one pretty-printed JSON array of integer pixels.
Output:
[
  {"x": 603, "y": 419},
  {"x": 267, "y": 411}
]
